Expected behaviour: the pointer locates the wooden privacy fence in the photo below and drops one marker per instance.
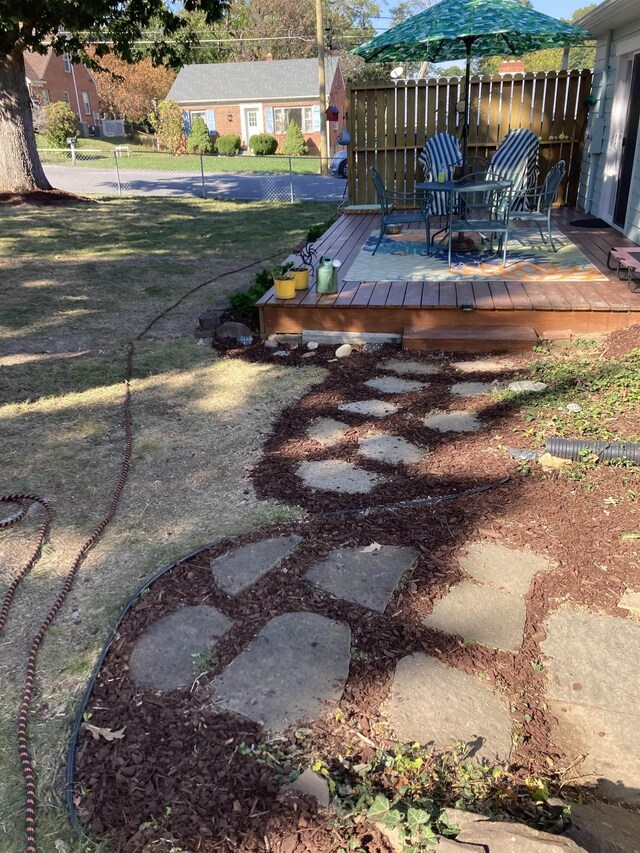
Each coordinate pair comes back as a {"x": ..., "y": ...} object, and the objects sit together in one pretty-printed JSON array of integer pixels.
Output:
[{"x": 389, "y": 124}]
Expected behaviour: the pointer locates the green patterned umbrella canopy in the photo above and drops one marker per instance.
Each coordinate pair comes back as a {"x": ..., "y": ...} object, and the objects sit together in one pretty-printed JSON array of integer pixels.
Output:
[{"x": 446, "y": 31}]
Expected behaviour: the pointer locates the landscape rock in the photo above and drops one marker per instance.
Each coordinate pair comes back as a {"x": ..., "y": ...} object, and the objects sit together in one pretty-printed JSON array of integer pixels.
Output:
[
  {"x": 314, "y": 785},
  {"x": 163, "y": 655},
  {"x": 372, "y": 408},
  {"x": 552, "y": 463},
  {"x": 243, "y": 566},
  {"x": 292, "y": 671},
  {"x": 271, "y": 344},
  {"x": 335, "y": 475},
  {"x": 395, "y": 385},
  {"x": 574, "y": 408},
  {"x": 312, "y": 345},
  {"x": 527, "y": 386},
  {"x": 232, "y": 331},
  {"x": 210, "y": 320},
  {"x": 506, "y": 837},
  {"x": 343, "y": 351},
  {"x": 281, "y": 353},
  {"x": 601, "y": 828}
]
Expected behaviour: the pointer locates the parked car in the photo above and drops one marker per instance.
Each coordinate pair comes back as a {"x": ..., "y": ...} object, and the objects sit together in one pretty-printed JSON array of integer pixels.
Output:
[{"x": 338, "y": 164}]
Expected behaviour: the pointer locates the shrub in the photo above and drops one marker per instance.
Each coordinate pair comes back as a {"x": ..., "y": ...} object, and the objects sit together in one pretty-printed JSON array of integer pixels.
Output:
[
  {"x": 316, "y": 231},
  {"x": 228, "y": 144},
  {"x": 199, "y": 141},
  {"x": 62, "y": 123},
  {"x": 168, "y": 125},
  {"x": 243, "y": 302},
  {"x": 263, "y": 143},
  {"x": 294, "y": 143}
]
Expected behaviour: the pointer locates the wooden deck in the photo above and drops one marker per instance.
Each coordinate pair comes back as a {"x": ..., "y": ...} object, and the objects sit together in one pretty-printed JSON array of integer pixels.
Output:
[{"x": 384, "y": 306}]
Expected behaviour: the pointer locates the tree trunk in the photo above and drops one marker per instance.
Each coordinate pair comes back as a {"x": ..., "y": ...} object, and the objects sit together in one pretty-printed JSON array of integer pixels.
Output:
[{"x": 20, "y": 167}]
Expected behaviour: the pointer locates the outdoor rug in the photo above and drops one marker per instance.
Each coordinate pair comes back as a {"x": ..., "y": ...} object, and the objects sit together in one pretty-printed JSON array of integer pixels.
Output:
[{"x": 403, "y": 257}]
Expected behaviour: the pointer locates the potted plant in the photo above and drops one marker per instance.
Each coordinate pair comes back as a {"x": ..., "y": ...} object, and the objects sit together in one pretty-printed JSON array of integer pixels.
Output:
[{"x": 284, "y": 282}]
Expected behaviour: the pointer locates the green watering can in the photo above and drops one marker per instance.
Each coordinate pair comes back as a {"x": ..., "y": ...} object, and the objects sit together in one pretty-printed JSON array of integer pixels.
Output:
[{"x": 327, "y": 275}]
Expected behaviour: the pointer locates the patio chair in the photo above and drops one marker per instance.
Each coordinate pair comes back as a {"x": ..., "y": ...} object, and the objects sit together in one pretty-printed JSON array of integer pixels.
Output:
[
  {"x": 537, "y": 202},
  {"x": 516, "y": 160},
  {"x": 441, "y": 153},
  {"x": 477, "y": 195},
  {"x": 391, "y": 215}
]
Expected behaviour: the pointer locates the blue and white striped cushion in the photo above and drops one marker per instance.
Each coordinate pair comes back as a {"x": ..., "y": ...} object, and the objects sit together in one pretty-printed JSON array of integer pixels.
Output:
[
  {"x": 441, "y": 153},
  {"x": 516, "y": 160}
]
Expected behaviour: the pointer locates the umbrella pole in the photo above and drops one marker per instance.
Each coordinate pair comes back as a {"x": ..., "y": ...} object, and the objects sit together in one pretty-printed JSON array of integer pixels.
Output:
[{"x": 463, "y": 242}]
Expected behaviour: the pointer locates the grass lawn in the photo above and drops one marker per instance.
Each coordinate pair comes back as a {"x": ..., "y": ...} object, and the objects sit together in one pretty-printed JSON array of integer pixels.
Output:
[
  {"x": 76, "y": 284},
  {"x": 99, "y": 153}
]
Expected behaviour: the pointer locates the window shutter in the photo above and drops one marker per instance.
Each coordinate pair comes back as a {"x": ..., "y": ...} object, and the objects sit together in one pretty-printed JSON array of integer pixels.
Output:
[
  {"x": 268, "y": 115},
  {"x": 186, "y": 121},
  {"x": 211, "y": 120},
  {"x": 316, "y": 117}
]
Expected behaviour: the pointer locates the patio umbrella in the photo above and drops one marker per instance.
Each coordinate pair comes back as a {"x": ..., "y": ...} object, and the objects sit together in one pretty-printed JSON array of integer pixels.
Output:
[{"x": 456, "y": 29}]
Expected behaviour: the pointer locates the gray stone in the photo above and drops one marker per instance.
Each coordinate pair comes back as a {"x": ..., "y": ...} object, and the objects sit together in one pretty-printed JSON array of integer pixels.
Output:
[
  {"x": 312, "y": 345},
  {"x": 527, "y": 386},
  {"x": 368, "y": 579},
  {"x": 630, "y": 600},
  {"x": 163, "y": 656},
  {"x": 344, "y": 350},
  {"x": 391, "y": 449},
  {"x": 506, "y": 837},
  {"x": 232, "y": 331},
  {"x": 335, "y": 475},
  {"x": 483, "y": 365},
  {"x": 601, "y": 828},
  {"x": 395, "y": 384},
  {"x": 313, "y": 785},
  {"x": 294, "y": 668},
  {"x": 281, "y": 353},
  {"x": 239, "y": 568},
  {"x": 574, "y": 408},
  {"x": 481, "y": 614},
  {"x": 271, "y": 344},
  {"x": 457, "y": 421},
  {"x": 510, "y": 569},
  {"x": 434, "y": 703},
  {"x": 473, "y": 389},
  {"x": 594, "y": 692},
  {"x": 415, "y": 368},
  {"x": 327, "y": 432},
  {"x": 372, "y": 408}
]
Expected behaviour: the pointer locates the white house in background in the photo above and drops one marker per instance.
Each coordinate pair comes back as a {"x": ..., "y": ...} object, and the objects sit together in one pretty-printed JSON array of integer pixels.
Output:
[{"x": 610, "y": 178}]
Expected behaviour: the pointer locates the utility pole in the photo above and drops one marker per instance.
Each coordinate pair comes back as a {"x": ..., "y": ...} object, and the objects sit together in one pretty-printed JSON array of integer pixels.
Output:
[{"x": 322, "y": 87}]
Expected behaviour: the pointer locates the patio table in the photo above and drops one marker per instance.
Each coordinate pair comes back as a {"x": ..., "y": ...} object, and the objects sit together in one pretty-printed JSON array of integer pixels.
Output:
[{"x": 627, "y": 259}]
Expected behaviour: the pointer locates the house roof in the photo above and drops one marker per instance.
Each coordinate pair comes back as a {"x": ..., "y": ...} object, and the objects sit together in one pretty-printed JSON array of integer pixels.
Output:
[
  {"x": 35, "y": 65},
  {"x": 610, "y": 15},
  {"x": 250, "y": 81}
]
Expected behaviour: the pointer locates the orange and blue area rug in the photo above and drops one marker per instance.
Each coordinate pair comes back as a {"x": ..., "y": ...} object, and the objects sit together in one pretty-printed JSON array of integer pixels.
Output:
[{"x": 403, "y": 257}]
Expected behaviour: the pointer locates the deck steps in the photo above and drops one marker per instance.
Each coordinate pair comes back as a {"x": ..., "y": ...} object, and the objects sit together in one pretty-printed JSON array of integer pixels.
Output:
[{"x": 469, "y": 338}]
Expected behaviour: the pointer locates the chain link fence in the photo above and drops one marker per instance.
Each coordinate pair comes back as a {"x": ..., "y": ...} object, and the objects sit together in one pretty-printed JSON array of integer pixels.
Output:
[{"x": 125, "y": 171}]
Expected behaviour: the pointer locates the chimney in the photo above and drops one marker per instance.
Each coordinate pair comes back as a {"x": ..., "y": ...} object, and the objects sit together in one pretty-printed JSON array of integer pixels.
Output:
[
  {"x": 269, "y": 57},
  {"x": 514, "y": 66}
]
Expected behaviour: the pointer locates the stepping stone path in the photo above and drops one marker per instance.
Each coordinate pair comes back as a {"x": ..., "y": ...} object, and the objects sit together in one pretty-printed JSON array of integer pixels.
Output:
[
  {"x": 395, "y": 385},
  {"x": 335, "y": 475},
  {"x": 593, "y": 691},
  {"x": 294, "y": 667},
  {"x": 372, "y": 408},
  {"x": 415, "y": 368},
  {"x": 327, "y": 432},
  {"x": 474, "y": 389},
  {"x": 392, "y": 449},
  {"x": 456, "y": 421},
  {"x": 482, "y": 365},
  {"x": 368, "y": 579},
  {"x": 163, "y": 656},
  {"x": 630, "y": 601},
  {"x": 527, "y": 386},
  {"x": 435, "y": 703},
  {"x": 237, "y": 570},
  {"x": 489, "y": 609}
]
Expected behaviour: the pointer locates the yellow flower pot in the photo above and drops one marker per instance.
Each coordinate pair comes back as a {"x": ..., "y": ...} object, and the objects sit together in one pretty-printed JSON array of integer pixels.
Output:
[
  {"x": 285, "y": 287},
  {"x": 302, "y": 278}
]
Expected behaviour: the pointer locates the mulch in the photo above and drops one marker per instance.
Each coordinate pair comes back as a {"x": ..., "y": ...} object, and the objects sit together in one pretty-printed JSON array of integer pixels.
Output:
[
  {"x": 622, "y": 342},
  {"x": 43, "y": 198},
  {"x": 182, "y": 773}
]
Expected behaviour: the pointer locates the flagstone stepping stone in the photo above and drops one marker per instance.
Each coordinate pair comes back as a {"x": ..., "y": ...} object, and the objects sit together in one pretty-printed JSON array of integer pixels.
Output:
[
  {"x": 510, "y": 569},
  {"x": 395, "y": 384},
  {"x": 630, "y": 600},
  {"x": 372, "y": 408},
  {"x": 243, "y": 566},
  {"x": 602, "y": 828},
  {"x": 482, "y": 365},
  {"x": 435, "y": 703},
  {"x": 481, "y": 614},
  {"x": 335, "y": 475},
  {"x": 416, "y": 368},
  {"x": 457, "y": 421},
  {"x": 327, "y": 431},
  {"x": 474, "y": 389},
  {"x": 365, "y": 578},
  {"x": 163, "y": 656},
  {"x": 392, "y": 449},
  {"x": 527, "y": 386},
  {"x": 593, "y": 690},
  {"x": 293, "y": 669}
]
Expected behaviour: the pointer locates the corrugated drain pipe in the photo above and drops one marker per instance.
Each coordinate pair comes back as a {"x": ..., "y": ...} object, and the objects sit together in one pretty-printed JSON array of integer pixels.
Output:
[{"x": 572, "y": 448}]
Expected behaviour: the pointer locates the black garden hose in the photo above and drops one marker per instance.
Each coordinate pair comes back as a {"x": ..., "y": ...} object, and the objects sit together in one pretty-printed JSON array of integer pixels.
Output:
[{"x": 574, "y": 448}]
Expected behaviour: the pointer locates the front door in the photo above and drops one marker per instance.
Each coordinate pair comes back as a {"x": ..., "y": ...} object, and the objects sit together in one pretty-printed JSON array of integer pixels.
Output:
[
  {"x": 251, "y": 121},
  {"x": 629, "y": 145}
]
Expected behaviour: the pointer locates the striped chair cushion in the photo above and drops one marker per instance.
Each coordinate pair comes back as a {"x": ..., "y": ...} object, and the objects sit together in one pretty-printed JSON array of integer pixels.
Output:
[
  {"x": 441, "y": 153},
  {"x": 516, "y": 160}
]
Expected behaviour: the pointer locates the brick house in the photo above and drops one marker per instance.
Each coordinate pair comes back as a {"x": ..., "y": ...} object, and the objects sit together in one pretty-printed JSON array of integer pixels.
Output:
[
  {"x": 261, "y": 97},
  {"x": 51, "y": 78}
]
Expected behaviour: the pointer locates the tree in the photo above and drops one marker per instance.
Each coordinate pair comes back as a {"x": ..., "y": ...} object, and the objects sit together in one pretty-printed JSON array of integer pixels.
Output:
[
  {"x": 113, "y": 26},
  {"x": 199, "y": 141},
  {"x": 131, "y": 90},
  {"x": 294, "y": 143},
  {"x": 167, "y": 122},
  {"x": 62, "y": 124}
]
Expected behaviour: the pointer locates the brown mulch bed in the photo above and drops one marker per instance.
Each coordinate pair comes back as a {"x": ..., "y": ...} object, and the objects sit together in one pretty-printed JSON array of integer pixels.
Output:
[
  {"x": 623, "y": 342},
  {"x": 43, "y": 198},
  {"x": 182, "y": 772}
]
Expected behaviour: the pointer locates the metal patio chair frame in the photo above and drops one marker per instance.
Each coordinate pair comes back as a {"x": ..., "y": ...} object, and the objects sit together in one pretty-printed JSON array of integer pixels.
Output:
[
  {"x": 391, "y": 215},
  {"x": 492, "y": 195},
  {"x": 537, "y": 203}
]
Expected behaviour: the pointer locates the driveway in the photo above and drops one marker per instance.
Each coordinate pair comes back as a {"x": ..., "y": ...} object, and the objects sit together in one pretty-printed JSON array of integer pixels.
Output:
[{"x": 240, "y": 187}]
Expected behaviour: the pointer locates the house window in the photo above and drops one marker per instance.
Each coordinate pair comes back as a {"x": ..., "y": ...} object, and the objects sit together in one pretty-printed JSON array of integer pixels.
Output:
[
  {"x": 45, "y": 97},
  {"x": 86, "y": 104},
  {"x": 66, "y": 97},
  {"x": 303, "y": 117},
  {"x": 208, "y": 117},
  {"x": 66, "y": 59}
]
